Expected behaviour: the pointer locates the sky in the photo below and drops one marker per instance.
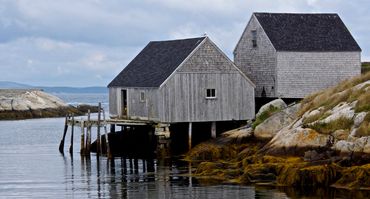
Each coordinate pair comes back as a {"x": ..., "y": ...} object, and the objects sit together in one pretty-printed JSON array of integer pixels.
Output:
[{"x": 88, "y": 42}]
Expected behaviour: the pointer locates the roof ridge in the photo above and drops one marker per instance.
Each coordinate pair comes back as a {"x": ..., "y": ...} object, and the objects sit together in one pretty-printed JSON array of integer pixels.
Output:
[
  {"x": 297, "y": 13},
  {"x": 173, "y": 40}
]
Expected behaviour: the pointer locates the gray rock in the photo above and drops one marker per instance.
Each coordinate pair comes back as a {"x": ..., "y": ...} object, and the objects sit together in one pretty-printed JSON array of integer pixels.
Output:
[
  {"x": 359, "y": 118},
  {"x": 278, "y": 103},
  {"x": 340, "y": 134}
]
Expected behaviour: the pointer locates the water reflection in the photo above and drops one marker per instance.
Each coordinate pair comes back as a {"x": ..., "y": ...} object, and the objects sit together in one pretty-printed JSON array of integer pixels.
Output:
[{"x": 140, "y": 178}]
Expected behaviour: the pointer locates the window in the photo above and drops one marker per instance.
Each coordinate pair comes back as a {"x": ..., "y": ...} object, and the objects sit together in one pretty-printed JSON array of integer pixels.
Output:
[
  {"x": 254, "y": 38},
  {"x": 211, "y": 93},
  {"x": 142, "y": 96}
]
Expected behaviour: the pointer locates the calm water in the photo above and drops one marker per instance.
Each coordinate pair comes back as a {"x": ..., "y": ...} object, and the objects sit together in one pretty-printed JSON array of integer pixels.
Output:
[{"x": 32, "y": 167}]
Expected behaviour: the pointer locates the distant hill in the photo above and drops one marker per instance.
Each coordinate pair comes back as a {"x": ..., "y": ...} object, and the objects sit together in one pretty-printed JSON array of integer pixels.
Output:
[
  {"x": 7, "y": 84},
  {"x": 50, "y": 89}
]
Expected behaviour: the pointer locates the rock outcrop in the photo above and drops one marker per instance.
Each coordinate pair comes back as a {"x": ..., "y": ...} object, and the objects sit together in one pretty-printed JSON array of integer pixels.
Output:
[
  {"x": 335, "y": 119},
  {"x": 322, "y": 141},
  {"x": 268, "y": 128},
  {"x": 26, "y": 104}
]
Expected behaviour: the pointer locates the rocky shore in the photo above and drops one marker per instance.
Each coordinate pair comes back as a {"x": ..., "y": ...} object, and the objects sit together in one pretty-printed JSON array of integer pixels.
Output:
[
  {"x": 25, "y": 104},
  {"x": 323, "y": 141}
]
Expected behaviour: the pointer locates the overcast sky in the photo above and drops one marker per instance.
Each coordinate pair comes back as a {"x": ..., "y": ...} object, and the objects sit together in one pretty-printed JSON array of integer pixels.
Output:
[{"x": 88, "y": 42}]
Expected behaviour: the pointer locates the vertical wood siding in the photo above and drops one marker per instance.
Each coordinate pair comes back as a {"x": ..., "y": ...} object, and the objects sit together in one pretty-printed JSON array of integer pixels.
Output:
[{"x": 183, "y": 97}]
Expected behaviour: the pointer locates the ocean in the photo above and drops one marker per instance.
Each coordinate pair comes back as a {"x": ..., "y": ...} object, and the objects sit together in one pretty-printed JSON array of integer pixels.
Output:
[{"x": 32, "y": 167}]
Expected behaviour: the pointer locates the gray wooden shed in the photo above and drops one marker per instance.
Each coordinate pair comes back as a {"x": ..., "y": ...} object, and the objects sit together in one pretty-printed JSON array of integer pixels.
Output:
[
  {"x": 188, "y": 80},
  {"x": 292, "y": 55}
]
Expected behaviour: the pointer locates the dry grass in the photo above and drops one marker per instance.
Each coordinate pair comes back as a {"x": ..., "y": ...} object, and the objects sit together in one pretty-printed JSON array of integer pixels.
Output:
[
  {"x": 327, "y": 128},
  {"x": 363, "y": 103},
  {"x": 330, "y": 97}
]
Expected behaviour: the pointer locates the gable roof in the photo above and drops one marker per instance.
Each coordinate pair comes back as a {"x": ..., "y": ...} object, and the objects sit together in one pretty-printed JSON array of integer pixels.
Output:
[
  {"x": 155, "y": 63},
  {"x": 307, "y": 32}
]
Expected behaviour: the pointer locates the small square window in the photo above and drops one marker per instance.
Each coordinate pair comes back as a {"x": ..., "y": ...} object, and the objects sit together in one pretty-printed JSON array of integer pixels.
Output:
[
  {"x": 142, "y": 96},
  {"x": 254, "y": 38},
  {"x": 211, "y": 93}
]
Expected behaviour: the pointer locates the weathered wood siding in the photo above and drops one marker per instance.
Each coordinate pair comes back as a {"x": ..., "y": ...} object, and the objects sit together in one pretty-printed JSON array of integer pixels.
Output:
[
  {"x": 143, "y": 109},
  {"x": 135, "y": 108},
  {"x": 301, "y": 73},
  {"x": 113, "y": 101},
  {"x": 183, "y": 96},
  {"x": 258, "y": 63}
]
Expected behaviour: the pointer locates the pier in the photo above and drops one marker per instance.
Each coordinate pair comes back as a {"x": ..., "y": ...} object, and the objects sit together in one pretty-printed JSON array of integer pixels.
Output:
[{"x": 86, "y": 124}]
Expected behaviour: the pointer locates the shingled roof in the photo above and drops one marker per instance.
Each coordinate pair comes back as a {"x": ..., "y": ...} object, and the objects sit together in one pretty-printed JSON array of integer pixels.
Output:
[
  {"x": 307, "y": 32},
  {"x": 155, "y": 63}
]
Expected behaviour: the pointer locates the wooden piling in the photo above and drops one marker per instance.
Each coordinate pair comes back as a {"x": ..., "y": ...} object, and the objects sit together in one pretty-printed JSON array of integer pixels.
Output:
[
  {"x": 88, "y": 136},
  {"x": 61, "y": 145},
  {"x": 190, "y": 135},
  {"x": 72, "y": 131},
  {"x": 98, "y": 141},
  {"x": 213, "y": 130},
  {"x": 109, "y": 154},
  {"x": 82, "y": 151}
]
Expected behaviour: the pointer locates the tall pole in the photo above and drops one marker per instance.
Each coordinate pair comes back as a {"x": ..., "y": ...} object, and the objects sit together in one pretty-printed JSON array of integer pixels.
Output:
[
  {"x": 190, "y": 135},
  {"x": 61, "y": 145},
  {"x": 72, "y": 129},
  {"x": 98, "y": 146}
]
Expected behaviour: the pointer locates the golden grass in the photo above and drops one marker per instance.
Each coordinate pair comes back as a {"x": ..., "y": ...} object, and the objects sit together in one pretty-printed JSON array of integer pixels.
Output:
[
  {"x": 330, "y": 127},
  {"x": 330, "y": 97}
]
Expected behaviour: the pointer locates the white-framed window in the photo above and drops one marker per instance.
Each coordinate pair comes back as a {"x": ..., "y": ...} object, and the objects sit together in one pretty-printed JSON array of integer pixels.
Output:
[
  {"x": 142, "y": 96},
  {"x": 210, "y": 93},
  {"x": 254, "y": 38}
]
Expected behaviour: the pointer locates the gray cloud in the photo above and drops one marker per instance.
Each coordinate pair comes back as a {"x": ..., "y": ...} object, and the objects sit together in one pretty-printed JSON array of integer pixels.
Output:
[{"x": 87, "y": 42}]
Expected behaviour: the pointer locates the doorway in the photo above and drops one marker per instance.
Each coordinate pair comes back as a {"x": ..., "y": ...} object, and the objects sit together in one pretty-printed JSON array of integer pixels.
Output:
[{"x": 124, "y": 103}]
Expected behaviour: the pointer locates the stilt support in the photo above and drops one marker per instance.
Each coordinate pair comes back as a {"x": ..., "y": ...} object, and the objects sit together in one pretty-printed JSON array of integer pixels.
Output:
[
  {"x": 88, "y": 136},
  {"x": 82, "y": 151},
  {"x": 72, "y": 132},
  {"x": 213, "y": 130},
  {"x": 190, "y": 135},
  {"x": 61, "y": 145}
]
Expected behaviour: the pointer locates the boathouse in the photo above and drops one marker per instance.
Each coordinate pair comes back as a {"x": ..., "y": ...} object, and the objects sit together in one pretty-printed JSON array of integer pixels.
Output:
[
  {"x": 188, "y": 80},
  {"x": 293, "y": 55}
]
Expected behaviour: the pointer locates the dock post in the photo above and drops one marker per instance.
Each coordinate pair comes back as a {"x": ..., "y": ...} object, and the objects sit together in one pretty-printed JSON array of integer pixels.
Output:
[
  {"x": 72, "y": 129},
  {"x": 189, "y": 135},
  {"x": 61, "y": 145},
  {"x": 88, "y": 136},
  {"x": 82, "y": 151},
  {"x": 98, "y": 145},
  {"x": 213, "y": 130},
  {"x": 109, "y": 154}
]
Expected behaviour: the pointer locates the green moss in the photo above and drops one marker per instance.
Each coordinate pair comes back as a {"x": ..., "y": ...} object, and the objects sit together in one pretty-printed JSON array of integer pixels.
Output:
[
  {"x": 327, "y": 128},
  {"x": 264, "y": 115}
]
